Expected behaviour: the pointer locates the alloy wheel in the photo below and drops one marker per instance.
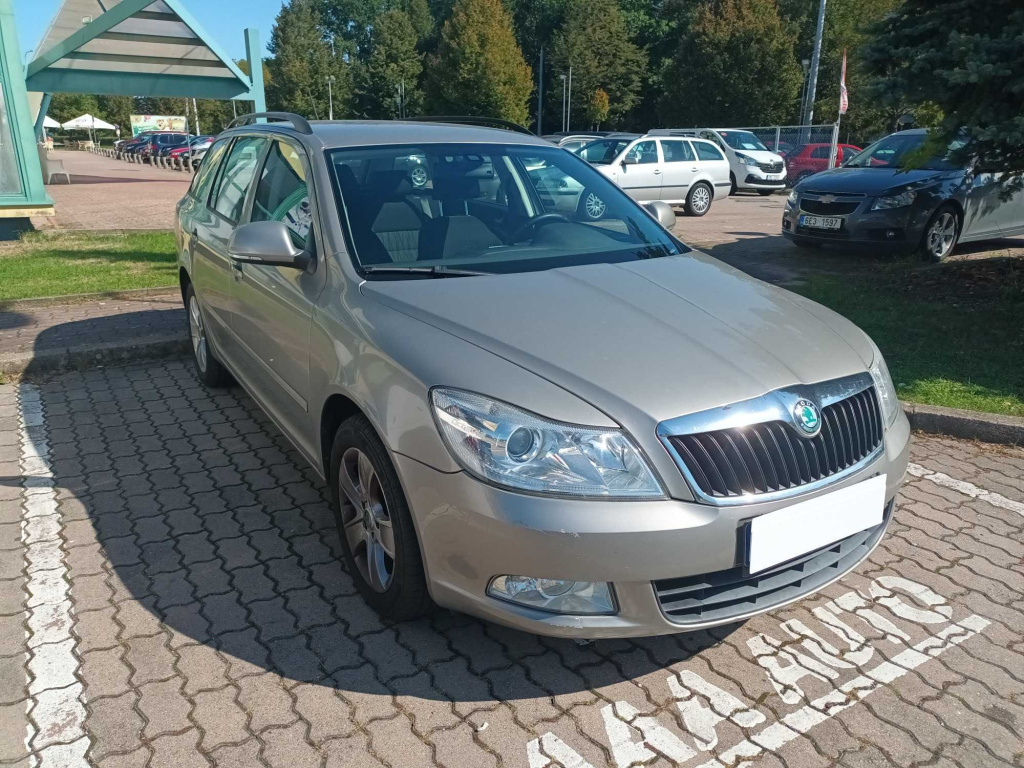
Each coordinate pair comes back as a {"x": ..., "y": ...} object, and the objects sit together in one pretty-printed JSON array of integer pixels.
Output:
[
  {"x": 198, "y": 332},
  {"x": 941, "y": 235},
  {"x": 595, "y": 206},
  {"x": 365, "y": 520},
  {"x": 700, "y": 200}
]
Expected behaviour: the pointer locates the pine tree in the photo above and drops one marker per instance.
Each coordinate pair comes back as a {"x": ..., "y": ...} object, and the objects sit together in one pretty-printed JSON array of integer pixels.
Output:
[
  {"x": 479, "y": 68},
  {"x": 734, "y": 66},
  {"x": 302, "y": 61},
  {"x": 966, "y": 61},
  {"x": 392, "y": 59},
  {"x": 594, "y": 42}
]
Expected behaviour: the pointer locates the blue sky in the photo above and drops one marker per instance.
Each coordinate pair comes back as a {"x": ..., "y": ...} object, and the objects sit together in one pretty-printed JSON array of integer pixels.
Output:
[{"x": 222, "y": 19}]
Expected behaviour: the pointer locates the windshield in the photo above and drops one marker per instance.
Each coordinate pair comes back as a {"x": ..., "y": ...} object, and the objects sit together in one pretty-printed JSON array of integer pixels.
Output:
[
  {"x": 603, "y": 151},
  {"x": 485, "y": 208},
  {"x": 742, "y": 140},
  {"x": 895, "y": 150}
]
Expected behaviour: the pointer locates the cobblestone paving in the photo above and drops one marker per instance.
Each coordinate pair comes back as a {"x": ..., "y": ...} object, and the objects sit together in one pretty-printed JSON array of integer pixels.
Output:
[{"x": 170, "y": 595}]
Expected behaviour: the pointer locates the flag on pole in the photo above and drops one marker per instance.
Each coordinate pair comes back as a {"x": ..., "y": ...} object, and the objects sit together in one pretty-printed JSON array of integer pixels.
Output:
[{"x": 844, "y": 97}]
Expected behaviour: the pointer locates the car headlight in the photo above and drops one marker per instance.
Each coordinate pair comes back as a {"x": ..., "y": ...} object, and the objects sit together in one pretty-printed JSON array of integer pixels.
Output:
[
  {"x": 887, "y": 399},
  {"x": 507, "y": 446},
  {"x": 746, "y": 159},
  {"x": 902, "y": 200},
  {"x": 793, "y": 197}
]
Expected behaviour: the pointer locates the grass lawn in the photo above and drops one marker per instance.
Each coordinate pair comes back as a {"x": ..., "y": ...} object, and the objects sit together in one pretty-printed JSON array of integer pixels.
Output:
[
  {"x": 58, "y": 264},
  {"x": 952, "y": 334}
]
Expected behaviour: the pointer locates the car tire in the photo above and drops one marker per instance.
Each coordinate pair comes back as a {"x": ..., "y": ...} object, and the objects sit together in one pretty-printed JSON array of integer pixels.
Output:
[
  {"x": 765, "y": 192},
  {"x": 732, "y": 184},
  {"x": 209, "y": 369},
  {"x": 699, "y": 199},
  {"x": 393, "y": 584},
  {"x": 941, "y": 234}
]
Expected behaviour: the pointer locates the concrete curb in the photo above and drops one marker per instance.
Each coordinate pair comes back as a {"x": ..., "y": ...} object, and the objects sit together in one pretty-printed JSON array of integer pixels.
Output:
[
  {"x": 34, "y": 364},
  {"x": 968, "y": 425},
  {"x": 82, "y": 298}
]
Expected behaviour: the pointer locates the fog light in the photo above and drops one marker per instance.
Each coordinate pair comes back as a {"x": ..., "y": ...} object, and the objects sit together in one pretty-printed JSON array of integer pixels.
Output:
[
  {"x": 554, "y": 595},
  {"x": 891, "y": 234}
]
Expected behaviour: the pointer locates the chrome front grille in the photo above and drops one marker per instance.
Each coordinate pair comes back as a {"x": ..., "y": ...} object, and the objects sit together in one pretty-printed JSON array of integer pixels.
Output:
[
  {"x": 723, "y": 595},
  {"x": 755, "y": 450},
  {"x": 771, "y": 167}
]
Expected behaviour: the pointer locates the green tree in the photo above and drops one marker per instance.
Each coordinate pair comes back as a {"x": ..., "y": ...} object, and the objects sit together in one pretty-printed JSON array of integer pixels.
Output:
[
  {"x": 599, "y": 107},
  {"x": 302, "y": 61},
  {"x": 117, "y": 110},
  {"x": 392, "y": 59},
  {"x": 594, "y": 42},
  {"x": 734, "y": 66},
  {"x": 479, "y": 68},
  {"x": 68, "y": 106},
  {"x": 968, "y": 63}
]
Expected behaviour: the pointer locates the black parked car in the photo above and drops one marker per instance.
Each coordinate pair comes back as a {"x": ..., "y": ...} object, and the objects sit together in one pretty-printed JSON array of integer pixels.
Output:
[{"x": 873, "y": 201}]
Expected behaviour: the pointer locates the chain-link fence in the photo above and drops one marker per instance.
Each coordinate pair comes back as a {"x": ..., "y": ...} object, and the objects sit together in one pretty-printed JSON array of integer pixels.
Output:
[{"x": 785, "y": 138}]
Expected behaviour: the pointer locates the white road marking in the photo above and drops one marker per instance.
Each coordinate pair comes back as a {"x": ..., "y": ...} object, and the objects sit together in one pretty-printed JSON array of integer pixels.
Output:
[
  {"x": 56, "y": 731},
  {"x": 966, "y": 488},
  {"x": 635, "y": 738}
]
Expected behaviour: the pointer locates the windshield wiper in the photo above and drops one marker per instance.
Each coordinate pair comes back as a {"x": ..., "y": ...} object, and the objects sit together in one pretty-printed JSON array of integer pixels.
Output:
[{"x": 438, "y": 270}]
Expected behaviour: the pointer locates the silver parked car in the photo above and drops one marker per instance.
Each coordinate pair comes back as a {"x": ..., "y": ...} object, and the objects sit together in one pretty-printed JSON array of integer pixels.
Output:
[
  {"x": 529, "y": 400},
  {"x": 679, "y": 171}
]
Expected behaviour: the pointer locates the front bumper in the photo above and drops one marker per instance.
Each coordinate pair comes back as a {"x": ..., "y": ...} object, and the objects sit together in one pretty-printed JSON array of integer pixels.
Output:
[
  {"x": 470, "y": 532},
  {"x": 753, "y": 177},
  {"x": 893, "y": 230}
]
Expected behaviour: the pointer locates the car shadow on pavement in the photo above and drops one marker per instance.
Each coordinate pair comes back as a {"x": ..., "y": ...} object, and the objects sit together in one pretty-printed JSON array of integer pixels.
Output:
[{"x": 199, "y": 542}]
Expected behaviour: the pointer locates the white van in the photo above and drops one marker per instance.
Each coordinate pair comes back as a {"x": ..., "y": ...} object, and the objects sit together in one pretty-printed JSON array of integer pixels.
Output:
[
  {"x": 675, "y": 170},
  {"x": 752, "y": 165}
]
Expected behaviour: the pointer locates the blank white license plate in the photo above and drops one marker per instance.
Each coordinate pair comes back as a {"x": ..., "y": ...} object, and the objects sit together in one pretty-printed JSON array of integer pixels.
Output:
[
  {"x": 773, "y": 176},
  {"x": 821, "y": 222},
  {"x": 809, "y": 525}
]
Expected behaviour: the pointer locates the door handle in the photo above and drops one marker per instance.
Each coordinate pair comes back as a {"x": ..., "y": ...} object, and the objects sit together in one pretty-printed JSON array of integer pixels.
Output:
[
  {"x": 657, "y": 173},
  {"x": 694, "y": 169}
]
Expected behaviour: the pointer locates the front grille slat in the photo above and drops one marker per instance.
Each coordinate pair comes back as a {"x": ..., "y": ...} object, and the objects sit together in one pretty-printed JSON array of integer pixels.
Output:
[
  {"x": 819, "y": 208},
  {"x": 727, "y": 594},
  {"x": 776, "y": 456}
]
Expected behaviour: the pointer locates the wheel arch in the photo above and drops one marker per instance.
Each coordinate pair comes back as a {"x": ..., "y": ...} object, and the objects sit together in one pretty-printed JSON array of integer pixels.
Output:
[
  {"x": 184, "y": 281},
  {"x": 336, "y": 409}
]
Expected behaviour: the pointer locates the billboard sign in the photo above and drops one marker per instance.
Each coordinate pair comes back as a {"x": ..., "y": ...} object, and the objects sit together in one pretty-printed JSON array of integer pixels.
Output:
[{"x": 142, "y": 123}]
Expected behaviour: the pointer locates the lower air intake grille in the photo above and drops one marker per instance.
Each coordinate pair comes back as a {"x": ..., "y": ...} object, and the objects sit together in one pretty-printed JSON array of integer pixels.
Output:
[
  {"x": 773, "y": 456},
  {"x": 723, "y": 595}
]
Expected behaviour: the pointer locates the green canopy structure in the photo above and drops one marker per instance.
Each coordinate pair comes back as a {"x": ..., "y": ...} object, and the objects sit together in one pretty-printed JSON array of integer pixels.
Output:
[{"x": 107, "y": 47}]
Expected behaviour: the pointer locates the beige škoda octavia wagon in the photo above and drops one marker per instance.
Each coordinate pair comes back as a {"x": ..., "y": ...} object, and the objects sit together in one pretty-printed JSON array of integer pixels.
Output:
[{"x": 530, "y": 401}]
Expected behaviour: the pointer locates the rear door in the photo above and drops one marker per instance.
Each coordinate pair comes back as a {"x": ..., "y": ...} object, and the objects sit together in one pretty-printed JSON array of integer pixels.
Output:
[
  {"x": 680, "y": 164},
  {"x": 642, "y": 179},
  {"x": 272, "y": 307}
]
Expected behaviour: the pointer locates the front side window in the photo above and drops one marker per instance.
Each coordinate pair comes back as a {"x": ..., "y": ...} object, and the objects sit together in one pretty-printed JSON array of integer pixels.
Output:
[
  {"x": 208, "y": 170},
  {"x": 603, "y": 151},
  {"x": 235, "y": 180},
  {"x": 706, "y": 151},
  {"x": 487, "y": 208},
  {"x": 282, "y": 193},
  {"x": 821, "y": 152},
  {"x": 644, "y": 152},
  {"x": 677, "y": 151}
]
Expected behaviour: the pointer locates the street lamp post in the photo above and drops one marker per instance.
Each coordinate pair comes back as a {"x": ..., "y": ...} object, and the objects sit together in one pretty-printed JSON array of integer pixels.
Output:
[
  {"x": 563, "y": 102},
  {"x": 330, "y": 97}
]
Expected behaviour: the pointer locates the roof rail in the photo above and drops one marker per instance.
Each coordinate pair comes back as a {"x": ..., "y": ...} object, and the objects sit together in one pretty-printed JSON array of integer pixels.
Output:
[
  {"x": 298, "y": 121},
  {"x": 484, "y": 122}
]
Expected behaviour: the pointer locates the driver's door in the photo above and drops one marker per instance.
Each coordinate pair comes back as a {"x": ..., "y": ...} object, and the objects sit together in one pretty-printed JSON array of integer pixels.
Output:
[{"x": 641, "y": 172}]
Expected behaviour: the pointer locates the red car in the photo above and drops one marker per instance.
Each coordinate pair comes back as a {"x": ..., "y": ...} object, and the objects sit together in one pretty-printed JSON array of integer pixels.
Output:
[{"x": 813, "y": 158}]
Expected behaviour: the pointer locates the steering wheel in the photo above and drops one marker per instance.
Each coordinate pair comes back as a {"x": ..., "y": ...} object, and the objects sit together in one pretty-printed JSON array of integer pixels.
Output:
[{"x": 534, "y": 223}]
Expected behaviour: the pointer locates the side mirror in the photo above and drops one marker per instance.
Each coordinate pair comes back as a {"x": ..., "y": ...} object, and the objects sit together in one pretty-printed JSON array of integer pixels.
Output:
[
  {"x": 268, "y": 243},
  {"x": 629, "y": 160},
  {"x": 662, "y": 213}
]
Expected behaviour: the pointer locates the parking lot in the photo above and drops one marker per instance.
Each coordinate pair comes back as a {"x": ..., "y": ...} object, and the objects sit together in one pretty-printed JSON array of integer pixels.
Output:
[{"x": 171, "y": 595}]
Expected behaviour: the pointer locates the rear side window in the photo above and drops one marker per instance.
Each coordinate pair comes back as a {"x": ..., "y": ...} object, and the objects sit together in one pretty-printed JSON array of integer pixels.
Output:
[
  {"x": 677, "y": 151},
  {"x": 282, "y": 193},
  {"x": 237, "y": 176},
  {"x": 208, "y": 170},
  {"x": 707, "y": 151}
]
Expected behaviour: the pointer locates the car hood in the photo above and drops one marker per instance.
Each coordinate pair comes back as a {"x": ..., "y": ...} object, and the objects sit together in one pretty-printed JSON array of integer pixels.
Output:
[
  {"x": 643, "y": 341},
  {"x": 868, "y": 181},
  {"x": 760, "y": 155}
]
